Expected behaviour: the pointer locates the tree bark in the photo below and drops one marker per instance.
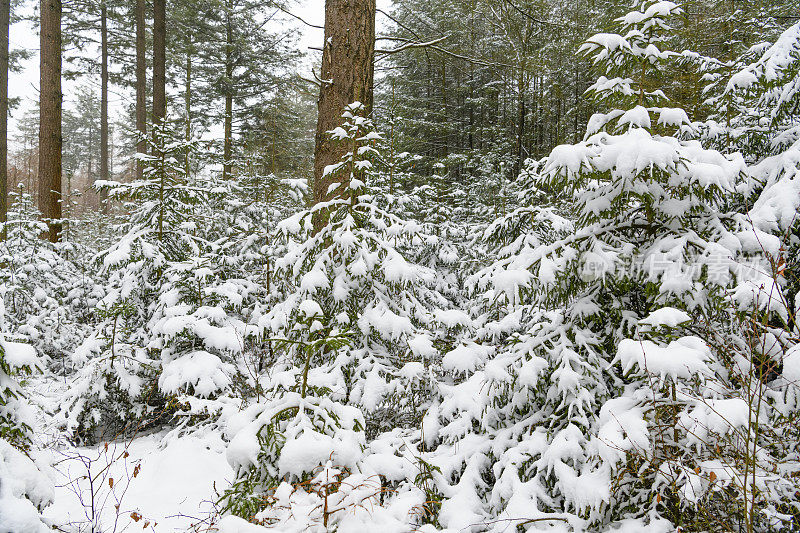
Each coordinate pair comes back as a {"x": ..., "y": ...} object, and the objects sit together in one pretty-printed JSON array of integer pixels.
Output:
[
  {"x": 227, "y": 151},
  {"x": 521, "y": 89},
  {"x": 141, "y": 82},
  {"x": 5, "y": 18},
  {"x": 188, "y": 97},
  {"x": 159, "y": 60},
  {"x": 50, "y": 117},
  {"x": 348, "y": 66},
  {"x": 104, "y": 104}
]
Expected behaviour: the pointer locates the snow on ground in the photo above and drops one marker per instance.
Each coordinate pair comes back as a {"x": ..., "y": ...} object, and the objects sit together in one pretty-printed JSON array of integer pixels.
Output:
[{"x": 175, "y": 484}]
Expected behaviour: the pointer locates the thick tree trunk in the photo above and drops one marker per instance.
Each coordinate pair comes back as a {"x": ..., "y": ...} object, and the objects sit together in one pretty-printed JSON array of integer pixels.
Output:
[
  {"x": 159, "y": 60},
  {"x": 5, "y": 15},
  {"x": 104, "y": 104},
  {"x": 50, "y": 117},
  {"x": 348, "y": 76},
  {"x": 141, "y": 81},
  {"x": 227, "y": 151}
]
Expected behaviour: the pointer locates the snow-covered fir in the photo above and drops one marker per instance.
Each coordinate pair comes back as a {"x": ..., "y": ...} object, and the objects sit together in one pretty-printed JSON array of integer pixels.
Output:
[{"x": 603, "y": 339}]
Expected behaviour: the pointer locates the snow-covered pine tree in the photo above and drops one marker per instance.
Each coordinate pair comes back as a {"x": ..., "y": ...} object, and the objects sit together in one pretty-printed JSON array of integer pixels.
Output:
[
  {"x": 772, "y": 83},
  {"x": 204, "y": 323},
  {"x": 761, "y": 372},
  {"x": 565, "y": 422},
  {"x": 49, "y": 289},
  {"x": 24, "y": 489},
  {"x": 117, "y": 387},
  {"x": 354, "y": 357},
  {"x": 707, "y": 384}
]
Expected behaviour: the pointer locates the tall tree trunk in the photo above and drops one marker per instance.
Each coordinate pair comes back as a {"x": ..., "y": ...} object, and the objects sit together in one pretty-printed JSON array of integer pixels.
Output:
[
  {"x": 160, "y": 93},
  {"x": 50, "y": 117},
  {"x": 90, "y": 156},
  {"x": 348, "y": 68},
  {"x": 188, "y": 96},
  {"x": 104, "y": 104},
  {"x": 445, "y": 117},
  {"x": 520, "y": 120},
  {"x": 159, "y": 60},
  {"x": 5, "y": 17},
  {"x": 227, "y": 151},
  {"x": 141, "y": 82}
]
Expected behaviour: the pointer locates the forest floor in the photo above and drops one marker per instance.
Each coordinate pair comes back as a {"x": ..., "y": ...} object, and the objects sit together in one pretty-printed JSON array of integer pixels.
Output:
[{"x": 155, "y": 482}]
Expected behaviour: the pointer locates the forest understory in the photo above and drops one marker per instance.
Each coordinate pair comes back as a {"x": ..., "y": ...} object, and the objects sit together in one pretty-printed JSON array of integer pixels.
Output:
[{"x": 525, "y": 266}]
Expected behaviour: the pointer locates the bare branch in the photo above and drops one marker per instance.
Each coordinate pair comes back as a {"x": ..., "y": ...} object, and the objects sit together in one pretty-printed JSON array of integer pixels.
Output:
[
  {"x": 298, "y": 17},
  {"x": 412, "y": 44}
]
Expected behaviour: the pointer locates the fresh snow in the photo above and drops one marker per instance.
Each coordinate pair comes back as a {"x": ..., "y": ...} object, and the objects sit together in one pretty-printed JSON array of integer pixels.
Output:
[{"x": 176, "y": 484}]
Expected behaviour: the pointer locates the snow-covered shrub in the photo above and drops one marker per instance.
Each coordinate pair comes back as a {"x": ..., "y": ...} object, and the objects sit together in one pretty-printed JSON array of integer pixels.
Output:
[
  {"x": 244, "y": 246},
  {"x": 120, "y": 361},
  {"x": 350, "y": 337},
  {"x": 721, "y": 410},
  {"x": 17, "y": 360},
  {"x": 112, "y": 393},
  {"x": 24, "y": 489},
  {"x": 353, "y": 320},
  {"x": 285, "y": 440},
  {"x": 49, "y": 289}
]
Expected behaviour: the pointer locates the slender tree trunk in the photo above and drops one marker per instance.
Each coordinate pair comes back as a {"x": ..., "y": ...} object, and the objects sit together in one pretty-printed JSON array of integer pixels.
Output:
[
  {"x": 110, "y": 151},
  {"x": 50, "y": 117},
  {"x": 227, "y": 151},
  {"x": 188, "y": 96},
  {"x": 159, "y": 60},
  {"x": 5, "y": 17},
  {"x": 521, "y": 89},
  {"x": 160, "y": 94},
  {"x": 90, "y": 156},
  {"x": 520, "y": 134},
  {"x": 446, "y": 119},
  {"x": 348, "y": 76},
  {"x": 104, "y": 104},
  {"x": 141, "y": 82}
]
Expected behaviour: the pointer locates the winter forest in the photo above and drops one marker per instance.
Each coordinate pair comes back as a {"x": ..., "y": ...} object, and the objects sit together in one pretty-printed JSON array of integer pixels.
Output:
[{"x": 401, "y": 266}]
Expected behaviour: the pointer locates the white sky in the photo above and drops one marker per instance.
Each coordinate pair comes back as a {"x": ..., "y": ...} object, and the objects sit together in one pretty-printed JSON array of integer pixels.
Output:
[{"x": 25, "y": 84}]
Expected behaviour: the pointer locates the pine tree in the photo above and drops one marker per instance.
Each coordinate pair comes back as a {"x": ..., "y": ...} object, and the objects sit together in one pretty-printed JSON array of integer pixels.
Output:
[
  {"x": 5, "y": 22},
  {"x": 24, "y": 490},
  {"x": 352, "y": 355},
  {"x": 140, "y": 80},
  {"x": 118, "y": 382},
  {"x": 577, "y": 411}
]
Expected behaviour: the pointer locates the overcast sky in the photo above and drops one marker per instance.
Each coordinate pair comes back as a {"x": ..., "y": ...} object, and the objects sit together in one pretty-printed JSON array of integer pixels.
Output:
[{"x": 25, "y": 84}]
